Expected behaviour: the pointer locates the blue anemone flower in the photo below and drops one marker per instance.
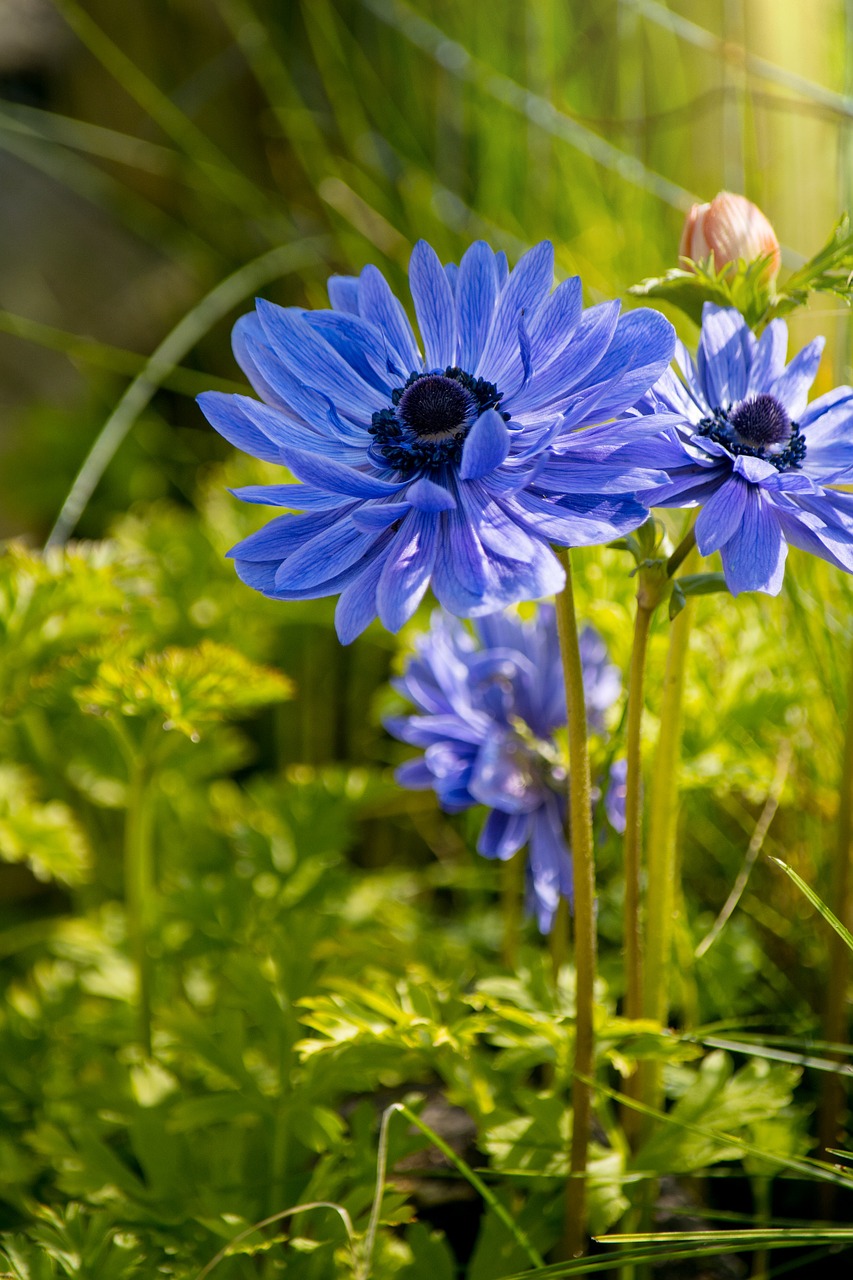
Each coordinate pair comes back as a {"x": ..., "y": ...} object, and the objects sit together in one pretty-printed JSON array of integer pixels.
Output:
[
  {"x": 489, "y": 707},
  {"x": 444, "y": 465},
  {"x": 753, "y": 453}
]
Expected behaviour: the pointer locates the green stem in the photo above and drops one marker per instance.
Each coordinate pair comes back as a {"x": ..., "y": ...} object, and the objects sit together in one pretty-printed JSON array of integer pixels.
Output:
[
  {"x": 835, "y": 1023},
  {"x": 663, "y": 813},
  {"x": 139, "y": 886},
  {"x": 580, "y": 819},
  {"x": 681, "y": 552},
  {"x": 634, "y": 840}
]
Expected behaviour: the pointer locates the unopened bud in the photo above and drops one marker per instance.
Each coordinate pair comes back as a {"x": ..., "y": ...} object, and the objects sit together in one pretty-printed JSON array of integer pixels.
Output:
[{"x": 730, "y": 227}]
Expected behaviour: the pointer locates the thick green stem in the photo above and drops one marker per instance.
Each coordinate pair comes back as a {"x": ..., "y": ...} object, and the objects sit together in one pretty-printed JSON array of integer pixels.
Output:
[
  {"x": 580, "y": 819},
  {"x": 661, "y": 860},
  {"x": 835, "y": 1027},
  {"x": 139, "y": 888},
  {"x": 634, "y": 843}
]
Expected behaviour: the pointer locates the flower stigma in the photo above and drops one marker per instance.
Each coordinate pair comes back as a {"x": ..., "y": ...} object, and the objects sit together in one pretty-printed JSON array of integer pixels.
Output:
[
  {"x": 757, "y": 427},
  {"x": 432, "y": 415}
]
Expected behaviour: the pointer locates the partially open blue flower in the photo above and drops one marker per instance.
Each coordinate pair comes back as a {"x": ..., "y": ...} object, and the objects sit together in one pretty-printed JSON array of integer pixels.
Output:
[
  {"x": 753, "y": 453},
  {"x": 489, "y": 706},
  {"x": 440, "y": 465}
]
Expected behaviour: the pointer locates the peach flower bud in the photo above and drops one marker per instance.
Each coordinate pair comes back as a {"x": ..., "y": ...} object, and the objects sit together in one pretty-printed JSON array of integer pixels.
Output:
[{"x": 730, "y": 227}]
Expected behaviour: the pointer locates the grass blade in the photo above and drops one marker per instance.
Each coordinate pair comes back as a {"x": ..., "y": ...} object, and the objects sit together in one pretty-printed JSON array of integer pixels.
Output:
[{"x": 213, "y": 307}]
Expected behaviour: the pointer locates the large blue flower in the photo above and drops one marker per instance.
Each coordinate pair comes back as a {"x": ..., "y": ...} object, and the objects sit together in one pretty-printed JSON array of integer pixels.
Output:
[
  {"x": 439, "y": 467},
  {"x": 489, "y": 708},
  {"x": 753, "y": 453}
]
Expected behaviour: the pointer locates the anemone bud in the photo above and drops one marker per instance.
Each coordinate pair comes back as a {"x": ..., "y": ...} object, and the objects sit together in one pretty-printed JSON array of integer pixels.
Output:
[{"x": 730, "y": 227}]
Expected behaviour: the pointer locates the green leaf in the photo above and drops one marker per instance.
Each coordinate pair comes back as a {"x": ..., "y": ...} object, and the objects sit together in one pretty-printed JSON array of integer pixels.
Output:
[
  {"x": 702, "y": 584},
  {"x": 182, "y": 689},
  {"x": 44, "y": 836}
]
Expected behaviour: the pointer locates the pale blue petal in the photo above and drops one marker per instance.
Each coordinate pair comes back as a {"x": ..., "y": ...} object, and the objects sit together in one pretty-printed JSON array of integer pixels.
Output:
[
  {"x": 383, "y": 309},
  {"x": 485, "y": 447},
  {"x": 408, "y": 565},
  {"x": 434, "y": 307},
  {"x": 754, "y": 557}
]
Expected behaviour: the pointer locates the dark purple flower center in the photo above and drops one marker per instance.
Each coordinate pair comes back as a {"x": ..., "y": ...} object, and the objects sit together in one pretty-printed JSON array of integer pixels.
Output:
[
  {"x": 431, "y": 416},
  {"x": 761, "y": 421},
  {"x": 759, "y": 428},
  {"x": 435, "y": 407}
]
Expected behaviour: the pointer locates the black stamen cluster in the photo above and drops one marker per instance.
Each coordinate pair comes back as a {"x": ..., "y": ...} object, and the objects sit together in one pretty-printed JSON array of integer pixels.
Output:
[
  {"x": 753, "y": 428},
  {"x": 432, "y": 415}
]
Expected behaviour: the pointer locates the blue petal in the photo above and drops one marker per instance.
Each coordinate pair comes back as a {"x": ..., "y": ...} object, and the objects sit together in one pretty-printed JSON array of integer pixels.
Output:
[
  {"x": 379, "y": 515},
  {"x": 724, "y": 357},
  {"x": 460, "y": 568},
  {"x": 551, "y": 327},
  {"x": 769, "y": 359},
  {"x": 324, "y": 556},
  {"x": 383, "y": 309},
  {"x": 226, "y": 414},
  {"x": 526, "y": 289},
  {"x": 248, "y": 330},
  {"x": 503, "y": 834},
  {"x": 590, "y": 340},
  {"x": 829, "y": 438},
  {"x": 754, "y": 557},
  {"x": 581, "y": 520},
  {"x": 640, "y": 352},
  {"x": 721, "y": 515},
  {"x": 793, "y": 385},
  {"x": 325, "y": 473},
  {"x": 408, "y": 565},
  {"x": 289, "y": 432},
  {"x": 284, "y": 534},
  {"x": 756, "y": 470},
  {"x": 414, "y": 774},
  {"x": 343, "y": 293},
  {"x": 310, "y": 406},
  {"x": 550, "y": 865},
  {"x": 485, "y": 447},
  {"x": 312, "y": 361},
  {"x": 476, "y": 295},
  {"x": 356, "y": 607},
  {"x": 262, "y": 578},
  {"x": 296, "y": 497},
  {"x": 434, "y": 307},
  {"x": 818, "y": 539},
  {"x": 361, "y": 344},
  {"x": 503, "y": 776},
  {"x": 426, "y": 495}
]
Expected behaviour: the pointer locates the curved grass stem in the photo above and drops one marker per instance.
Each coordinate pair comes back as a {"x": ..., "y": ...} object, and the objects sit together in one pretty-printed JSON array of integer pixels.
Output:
[{"x": 580, "y": 818}]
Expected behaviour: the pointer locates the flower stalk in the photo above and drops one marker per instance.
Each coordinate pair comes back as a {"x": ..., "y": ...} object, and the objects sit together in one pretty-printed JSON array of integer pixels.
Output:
[
  {"x": 663, "y": 813},
  {"x": 835, "y": 1013},
  {"x": 139, "y": 886},
  {"x": 580, "y": 818}
]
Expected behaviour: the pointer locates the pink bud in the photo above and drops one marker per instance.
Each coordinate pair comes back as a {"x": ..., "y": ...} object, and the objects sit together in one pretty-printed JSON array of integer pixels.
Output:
[{"x": 730, "y": 227}]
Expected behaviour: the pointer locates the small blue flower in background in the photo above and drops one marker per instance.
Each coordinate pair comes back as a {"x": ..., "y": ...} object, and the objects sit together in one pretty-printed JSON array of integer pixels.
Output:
[
  {"x": 446, "y": 467},
  {"x": 489, "y": 706},
  {"x": 753, "y": 453}
]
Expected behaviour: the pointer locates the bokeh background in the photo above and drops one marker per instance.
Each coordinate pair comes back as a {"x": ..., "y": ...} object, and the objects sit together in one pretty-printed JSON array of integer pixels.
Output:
[{"x": 149, "y": 149}]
